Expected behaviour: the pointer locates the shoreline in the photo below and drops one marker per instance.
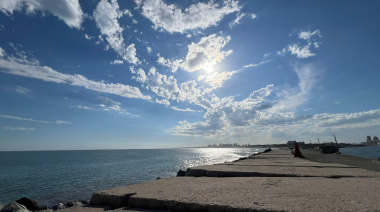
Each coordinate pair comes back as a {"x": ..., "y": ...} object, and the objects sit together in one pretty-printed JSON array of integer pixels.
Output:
[{"x": 337, "y": 166}]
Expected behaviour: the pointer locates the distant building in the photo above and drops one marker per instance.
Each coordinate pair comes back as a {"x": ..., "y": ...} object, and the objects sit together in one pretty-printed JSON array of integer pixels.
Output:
[{"x": 372, "y": 142}]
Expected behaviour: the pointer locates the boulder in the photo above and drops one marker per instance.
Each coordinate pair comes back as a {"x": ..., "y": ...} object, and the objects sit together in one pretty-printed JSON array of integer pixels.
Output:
[
  {"x": 60, "y": 206},
  {"x": 43, "y": 208},
  {"x": 78, "y": 203},
  {"x": 28, "y": 203},
  {"x": 13, "y": 207},
  {"x": 181, "y": 173},
  {"x": 268, "y": 150},
  {"x": 85, "y": 202},
  {"x": 69, "y": 204}
]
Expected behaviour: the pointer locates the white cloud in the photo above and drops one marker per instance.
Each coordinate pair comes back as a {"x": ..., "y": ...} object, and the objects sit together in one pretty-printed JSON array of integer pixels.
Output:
[
  {"x": 149, "y": 49},
  {"x": 33, "y": 120},
  {"x": 106, "y": 16},
  {"x": 163, "y": 102},
  {"x": 20, "y": 128},
  {"x": 168, "y": 88},
  {"x": 23, "y": 57},
  {"x": 67, "y": 10},
  {"x": 267, "y": 107},
  {"x": 84, "y": 107},
  {"x": 301, "y": 52},
  {"x": 226, "y": 113},
  {"x": 20, "y": 89},
  {"x": 184, "y": 110},
  {"x": 128, "y": 13},
  {"x": 188, "y": 36},
  {"x": 256, "y": 64},
  {"x": 203, "y": 55},
  {"x": 130, "y": 54},
  {"x": 48, "y": 74},
  {"x": 117, "y": 62},
  {"x": 253, "y": 16},
  {"x": 174, "y": 65},
  {"x": 111, "y": 105},
  {"x": 306, "y": 35},
  {"x": 217, "y": 79},
  {"x": 2, "y": 52},
  {"x": 239, "y": 16},
  {"x": 196, "y": 16},
  {"x": 88, "y": 37}
]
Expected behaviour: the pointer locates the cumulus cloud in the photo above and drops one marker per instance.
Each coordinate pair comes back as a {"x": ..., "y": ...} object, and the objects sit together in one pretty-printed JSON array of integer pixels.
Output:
[
  {"x": 168, "y": 88},
  {"x": 149, "y": 49},
  {"x": 163, "y": 102},
  {"x": 34, "y": 120},
  {"x": 226, "y": 113},
  {"x": 106, "y": 16},
  {"x": 196, "y": 16},
  {"x": 117, "y": 62},
  {"x": 202, "y": 55},
  {"x": 68, "y": 11},
  {"x": 306, "y": 35},
  {"x": 48, "y": 74},
  {"x": 303, "y": 51},
  {"x": 217, "y": 79},
  {"x": 262, "y": 108}
]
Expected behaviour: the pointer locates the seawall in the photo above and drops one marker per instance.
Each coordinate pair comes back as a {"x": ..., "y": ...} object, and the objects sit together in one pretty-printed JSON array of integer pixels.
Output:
[{"x": 272, "y": 181}]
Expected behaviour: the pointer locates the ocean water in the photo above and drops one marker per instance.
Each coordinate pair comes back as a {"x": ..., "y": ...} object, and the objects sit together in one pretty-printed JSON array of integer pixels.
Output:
[
  {"x": 51, "y": 177},
  {"x": 367, "y": 152}
]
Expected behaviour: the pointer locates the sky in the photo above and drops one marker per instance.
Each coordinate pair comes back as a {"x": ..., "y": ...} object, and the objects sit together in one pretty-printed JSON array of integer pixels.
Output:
[{"x": 112, "y": 74}]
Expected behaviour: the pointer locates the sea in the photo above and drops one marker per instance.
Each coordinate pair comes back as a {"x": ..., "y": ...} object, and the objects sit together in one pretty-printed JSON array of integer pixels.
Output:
[{"x": 52, "y": 177}]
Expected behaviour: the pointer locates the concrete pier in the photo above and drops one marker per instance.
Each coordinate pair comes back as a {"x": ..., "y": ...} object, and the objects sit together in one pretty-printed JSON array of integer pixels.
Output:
[{"x": 273, "y": 181}]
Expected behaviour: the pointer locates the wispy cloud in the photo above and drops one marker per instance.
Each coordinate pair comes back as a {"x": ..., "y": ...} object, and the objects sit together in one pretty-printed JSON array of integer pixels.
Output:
[
  {"x": 22, "y": 90},
  {"x": 48, "y": 74},
  {"x": 20, "y": 128},
  {"x": 83, "y": 107},
  {"x": 111, "y": 105},
  {"x": 34, "y": 120},
  {"x": 240, "y": 16},
  {"x": 184, "y": 110}
]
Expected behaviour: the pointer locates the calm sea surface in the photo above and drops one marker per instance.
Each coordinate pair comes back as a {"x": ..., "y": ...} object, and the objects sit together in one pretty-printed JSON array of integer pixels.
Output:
[
  {"x": 51, "y": 177},
  {"x": 367, "y": 152}
]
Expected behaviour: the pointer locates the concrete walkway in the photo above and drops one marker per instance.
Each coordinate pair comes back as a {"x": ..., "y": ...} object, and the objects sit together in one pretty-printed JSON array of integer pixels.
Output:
[{"x": 274, "y": 181}]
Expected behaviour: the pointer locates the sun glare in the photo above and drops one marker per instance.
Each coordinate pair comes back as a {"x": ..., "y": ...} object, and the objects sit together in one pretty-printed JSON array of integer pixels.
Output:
[{"x": 209, "y": 67}]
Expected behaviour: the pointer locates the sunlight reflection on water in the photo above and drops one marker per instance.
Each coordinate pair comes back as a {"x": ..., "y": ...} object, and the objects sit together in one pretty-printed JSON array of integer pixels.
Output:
[{"x": 61, "y": 176}]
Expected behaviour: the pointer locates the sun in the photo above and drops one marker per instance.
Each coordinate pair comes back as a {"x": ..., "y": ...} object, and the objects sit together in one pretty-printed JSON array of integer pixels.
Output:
[{"x": 209, "y": 67}]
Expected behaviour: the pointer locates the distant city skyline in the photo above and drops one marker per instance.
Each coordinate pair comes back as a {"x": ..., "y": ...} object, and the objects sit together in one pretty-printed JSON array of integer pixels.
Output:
[{"x": 111, "y": 74}]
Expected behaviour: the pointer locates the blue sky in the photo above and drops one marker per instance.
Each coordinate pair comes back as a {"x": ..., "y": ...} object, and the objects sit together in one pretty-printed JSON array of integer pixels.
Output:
[{"x": 108, "y": 74}]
